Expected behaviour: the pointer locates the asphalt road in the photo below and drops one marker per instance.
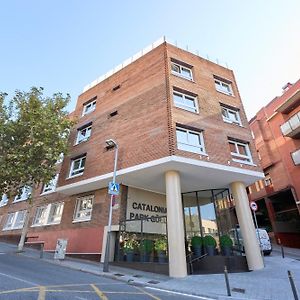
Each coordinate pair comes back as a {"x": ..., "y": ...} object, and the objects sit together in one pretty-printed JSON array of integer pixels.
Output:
[{"x": 29, "y": 278}]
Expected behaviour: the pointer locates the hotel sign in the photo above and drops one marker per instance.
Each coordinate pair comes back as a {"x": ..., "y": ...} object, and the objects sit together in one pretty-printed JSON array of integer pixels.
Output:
[{"x": 148, "y": 207}]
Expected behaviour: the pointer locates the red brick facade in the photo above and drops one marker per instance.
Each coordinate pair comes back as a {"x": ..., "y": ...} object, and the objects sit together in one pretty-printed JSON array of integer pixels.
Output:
[
  {"x": 275, "y": 149},
  {"x": 135, "y": 107}
]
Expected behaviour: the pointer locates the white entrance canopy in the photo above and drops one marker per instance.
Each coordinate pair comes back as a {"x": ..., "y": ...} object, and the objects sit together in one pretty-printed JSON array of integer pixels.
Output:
[{"x": 194, "y": 175}]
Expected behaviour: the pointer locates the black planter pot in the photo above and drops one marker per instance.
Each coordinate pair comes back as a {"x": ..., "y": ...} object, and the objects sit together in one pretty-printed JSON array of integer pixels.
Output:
[
  {"x": 210, "y": 250},
  {"x": 129, "y": 256},
  {"x": 226, "y": 251},
  {"x": 145, "y": 257},
  {"x": 197, "y": 250},
  {"x": 162, "y": 257}
]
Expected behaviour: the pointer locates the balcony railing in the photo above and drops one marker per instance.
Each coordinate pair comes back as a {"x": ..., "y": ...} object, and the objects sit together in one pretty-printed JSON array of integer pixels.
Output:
[{"x": 291, "y": 128}]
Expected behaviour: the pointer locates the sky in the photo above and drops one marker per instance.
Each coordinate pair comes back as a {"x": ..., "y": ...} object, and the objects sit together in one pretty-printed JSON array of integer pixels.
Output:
[{"x": 64, "y": 45}]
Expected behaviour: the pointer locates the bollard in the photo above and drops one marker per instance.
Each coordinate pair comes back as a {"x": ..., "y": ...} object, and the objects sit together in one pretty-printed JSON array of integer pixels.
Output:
[
  {"x": 42, "y": 251},
  {"x": 227, "y": 281},
  {"x": 282, "y": 250},
  {"x": 293, "y": 285}
]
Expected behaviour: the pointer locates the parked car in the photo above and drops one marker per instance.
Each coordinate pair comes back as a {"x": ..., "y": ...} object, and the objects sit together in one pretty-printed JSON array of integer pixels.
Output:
[{"x": 261, "y": 235}]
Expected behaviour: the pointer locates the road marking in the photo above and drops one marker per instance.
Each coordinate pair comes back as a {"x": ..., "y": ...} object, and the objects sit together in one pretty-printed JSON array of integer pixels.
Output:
[
  {"x": 16, "y": 278},
  {"x": 31, "y": 289},
  {"x": 178, "y": 293},
  {"x": 42, "y": 293},
  {"x": 99, "y": 293},
  {"x": 80, "y": 298},
  {"x": 146, "y": 293}
]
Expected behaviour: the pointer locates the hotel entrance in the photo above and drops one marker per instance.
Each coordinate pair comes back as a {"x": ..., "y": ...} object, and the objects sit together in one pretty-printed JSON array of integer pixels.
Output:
[{"x": 211, "y": 234}]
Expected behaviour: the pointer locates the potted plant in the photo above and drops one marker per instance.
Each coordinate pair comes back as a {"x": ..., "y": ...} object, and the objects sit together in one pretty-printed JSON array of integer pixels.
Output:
[
  {"x": 226, "y": 245},
  {"x": 146, "y": 247},
  {"x": 129, "y": 247},
  {"x": 197, "y": 244},
  {"x": 160, "y": 246},
  {"x": 210, "y": 244}
]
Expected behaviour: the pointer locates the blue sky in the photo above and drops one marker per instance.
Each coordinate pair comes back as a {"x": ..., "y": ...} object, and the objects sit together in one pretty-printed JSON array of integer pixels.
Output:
[{"x": 64, "y": 45}]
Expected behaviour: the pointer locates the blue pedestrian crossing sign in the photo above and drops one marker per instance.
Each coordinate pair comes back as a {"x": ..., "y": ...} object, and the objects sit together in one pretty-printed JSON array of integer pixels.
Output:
[{"x": 113, "y": 188}]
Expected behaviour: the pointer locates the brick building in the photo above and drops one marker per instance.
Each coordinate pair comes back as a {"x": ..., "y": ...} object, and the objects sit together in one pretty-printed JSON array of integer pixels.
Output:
[
  {"x": 184, "y": 146},
  {"x": 276, "y": 130}
]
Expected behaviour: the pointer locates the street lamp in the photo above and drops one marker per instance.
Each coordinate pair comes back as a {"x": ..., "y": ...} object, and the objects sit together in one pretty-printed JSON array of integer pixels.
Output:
[{"x": 110, "y": 144}]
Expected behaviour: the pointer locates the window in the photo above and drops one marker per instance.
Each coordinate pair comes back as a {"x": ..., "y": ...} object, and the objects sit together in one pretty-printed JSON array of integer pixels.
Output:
[
  {"x": 231, "y": 115},
  {"x": 184, "y": 101},
  {"x": 48, "y": 214},
  {"x": 191, "y": 141},
  {"x": 268, "y": 180},
  {"x": 89, "y": 107},
  {"x": 182, "y": 71},
  {"x": 23, "y": 194},
  {"x": 83, "y": 134},
  {"x": 223, "y": 86},
  {"x": 50, "y": 186},
  {"x": 296, "y": 157},
  {"x": 40, "y": 215},
  {"x": 4, "y": 200},
  {"x": 15, "y": 220},
  {"x": 83, "y": 210},
  {"x": 240, "y": 151},
  {"x": 77, "y": 166}
]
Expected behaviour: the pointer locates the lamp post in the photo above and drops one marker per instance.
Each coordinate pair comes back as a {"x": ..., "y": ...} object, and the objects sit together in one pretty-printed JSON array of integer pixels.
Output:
[{"x": 110, "y": 144}]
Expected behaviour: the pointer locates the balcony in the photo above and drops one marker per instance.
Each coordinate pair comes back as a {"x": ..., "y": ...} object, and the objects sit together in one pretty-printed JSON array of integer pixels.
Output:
[
  {"x": 290, "y": 103},
  {"x": 296, "y": 157},
  {"x": 291, "y": 128}
]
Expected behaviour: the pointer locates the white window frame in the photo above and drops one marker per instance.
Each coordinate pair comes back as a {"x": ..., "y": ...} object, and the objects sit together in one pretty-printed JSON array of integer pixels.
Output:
[
  {"x": 227, "y": 112},
  {"x": 82, "y": 215},
  {"x": 4, "y": 200},
  {"x": 80, "y": 170},
  {"x": 14, "y": 220},
  {"x": 296, "y": 157},
  {"x": 223, "y": 86},
  {"x": 24, "y": 195},
  {"x": 180, "y": 69},
  {"x": 188, "y": 146},
  {"x": 83, "y": 137},
  {"x": 44, "y": 215},
  {"x": 183, "y": 104},
  {"x": 89, "y": 107},
  {"x": 50, "y": 187},
  {"x": 238, "y": 157}
]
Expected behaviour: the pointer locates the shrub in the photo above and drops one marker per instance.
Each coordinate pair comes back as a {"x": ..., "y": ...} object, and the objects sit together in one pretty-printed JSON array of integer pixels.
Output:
[
  {"x": 130, "y": 244},
  {"x": 209, "y": 240},
  {"x": 197, "y": 241},
  {"x": 225, "y": 241},
  {"x": 161, "y": 244},
  {"x": 146, "y": 246}
]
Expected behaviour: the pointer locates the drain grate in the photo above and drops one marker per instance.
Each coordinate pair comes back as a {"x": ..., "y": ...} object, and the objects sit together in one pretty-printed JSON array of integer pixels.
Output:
[
  {"x": 153, "y": 281},
  {"x": 238, "y": 290},
  {"x": 119, "y": 275}
]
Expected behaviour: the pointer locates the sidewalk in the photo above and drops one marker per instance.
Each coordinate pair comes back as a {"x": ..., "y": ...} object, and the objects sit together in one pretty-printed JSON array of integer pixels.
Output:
[{"x": 270, "y": 283}]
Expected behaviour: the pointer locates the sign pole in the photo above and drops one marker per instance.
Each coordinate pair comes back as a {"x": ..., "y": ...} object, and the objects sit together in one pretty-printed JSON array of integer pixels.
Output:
[{"x": 260, "y": 245}]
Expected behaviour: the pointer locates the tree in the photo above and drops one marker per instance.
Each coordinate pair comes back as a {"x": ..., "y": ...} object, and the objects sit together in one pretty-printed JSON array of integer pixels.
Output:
[{"x": 33, "y": 134}]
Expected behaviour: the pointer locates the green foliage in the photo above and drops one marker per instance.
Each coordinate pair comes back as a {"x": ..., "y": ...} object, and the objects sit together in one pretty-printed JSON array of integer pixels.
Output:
[
  {"x": 161, "y": 244},
  {"x": 146, "y": 246},
  {"x": 130, "y": 244},
  {"x": 197, "y": 241},
  {"x": 33, "y": 133},
  {"x": 225, "y": 241},
  {"x": 209, "y": 240}
]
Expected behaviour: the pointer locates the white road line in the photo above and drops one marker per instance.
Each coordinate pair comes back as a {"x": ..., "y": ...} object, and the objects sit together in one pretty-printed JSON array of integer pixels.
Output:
[
  {"x": 178, "y": 293},
  {"x": 19, "y": 279}
]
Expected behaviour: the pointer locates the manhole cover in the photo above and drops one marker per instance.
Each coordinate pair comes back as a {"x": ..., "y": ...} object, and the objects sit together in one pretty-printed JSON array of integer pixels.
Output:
[
  {"x": 153, "y": 281},
  {"x": 238, "y": 290}
]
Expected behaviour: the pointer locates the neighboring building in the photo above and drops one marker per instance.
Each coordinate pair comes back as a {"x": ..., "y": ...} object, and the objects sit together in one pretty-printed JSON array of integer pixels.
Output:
[
  {"x": 276, "y": 130},
  {"x": 184, "y": 146}
]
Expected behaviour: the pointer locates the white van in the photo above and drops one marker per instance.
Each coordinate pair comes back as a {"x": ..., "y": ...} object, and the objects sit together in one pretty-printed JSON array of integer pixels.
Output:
[{"x": 261, "y": 235}]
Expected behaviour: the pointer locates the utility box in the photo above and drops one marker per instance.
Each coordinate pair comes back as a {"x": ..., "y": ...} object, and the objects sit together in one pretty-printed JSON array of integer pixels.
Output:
[{"x": 60, "y": 250}]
